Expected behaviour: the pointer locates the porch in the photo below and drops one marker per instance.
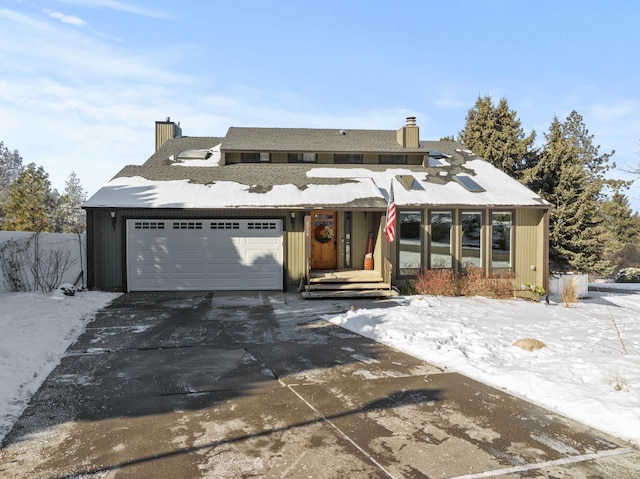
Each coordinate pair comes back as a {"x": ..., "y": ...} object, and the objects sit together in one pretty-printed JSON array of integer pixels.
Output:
[{"x": 351, "y": 283}]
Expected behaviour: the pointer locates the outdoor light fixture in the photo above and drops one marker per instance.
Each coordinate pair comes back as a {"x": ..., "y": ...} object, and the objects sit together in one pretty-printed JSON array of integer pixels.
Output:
[
  {"x": 113, "y": 219},
  {"x": 293, "y": 219}
]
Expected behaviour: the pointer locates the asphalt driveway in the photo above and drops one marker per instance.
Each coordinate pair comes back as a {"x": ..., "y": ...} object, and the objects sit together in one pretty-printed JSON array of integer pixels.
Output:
[{"x": 231, "y": 385}]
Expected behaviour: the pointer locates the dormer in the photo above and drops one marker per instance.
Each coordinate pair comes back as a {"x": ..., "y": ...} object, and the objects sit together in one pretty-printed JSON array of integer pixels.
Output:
[{"x": 409, "y": 135}]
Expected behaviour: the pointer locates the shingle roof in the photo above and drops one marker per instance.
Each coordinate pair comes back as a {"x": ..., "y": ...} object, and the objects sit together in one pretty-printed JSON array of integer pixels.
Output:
[
  {"x": 162, "y": 182},
  {"x": 314, "y": 140},
  {"x": 176, "y": 145}
]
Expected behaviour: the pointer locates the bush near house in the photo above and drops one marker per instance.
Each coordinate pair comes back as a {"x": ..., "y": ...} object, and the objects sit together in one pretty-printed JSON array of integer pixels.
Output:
[
  {"x": 628, "y": 275},
  {"x": 473, "y": 282}
]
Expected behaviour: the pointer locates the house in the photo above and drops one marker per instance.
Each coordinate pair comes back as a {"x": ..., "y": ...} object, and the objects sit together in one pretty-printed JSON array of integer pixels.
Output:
[{"x": 290, "y": 208}]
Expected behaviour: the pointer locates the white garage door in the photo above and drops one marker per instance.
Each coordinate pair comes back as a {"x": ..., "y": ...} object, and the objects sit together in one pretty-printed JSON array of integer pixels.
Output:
[{"x": 170, "y": 255}]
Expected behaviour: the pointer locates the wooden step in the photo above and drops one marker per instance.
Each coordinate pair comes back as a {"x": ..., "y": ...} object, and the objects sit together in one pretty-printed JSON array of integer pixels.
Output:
[
  {"x": 343, "y": 294},
  {"x": 347, "y": 286},
  {"x": 355, "y": 276}
]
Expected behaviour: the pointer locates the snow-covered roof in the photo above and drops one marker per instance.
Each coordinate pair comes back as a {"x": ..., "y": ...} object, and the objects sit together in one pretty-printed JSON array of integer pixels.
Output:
[{"x": 187, "y": 173}]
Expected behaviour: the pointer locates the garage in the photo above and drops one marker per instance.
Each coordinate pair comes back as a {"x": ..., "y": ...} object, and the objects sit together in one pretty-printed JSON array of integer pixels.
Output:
[{"x": 179, "y": 254}]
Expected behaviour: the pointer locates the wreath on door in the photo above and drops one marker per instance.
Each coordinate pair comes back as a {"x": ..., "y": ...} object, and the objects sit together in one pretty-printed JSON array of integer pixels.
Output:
[{"x": 323, "y": 233}]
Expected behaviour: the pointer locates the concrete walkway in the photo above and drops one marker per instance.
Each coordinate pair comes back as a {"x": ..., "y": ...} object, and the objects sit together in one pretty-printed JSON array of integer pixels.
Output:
[{"x": 224, "y": 385}]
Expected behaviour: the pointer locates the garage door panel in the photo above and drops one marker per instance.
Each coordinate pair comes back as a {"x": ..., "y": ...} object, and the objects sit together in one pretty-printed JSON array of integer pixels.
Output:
[
  {"x": 186, "y": 268},
  {"x": 257, "y": 257},
  {"x": 204, "y": 254},
  {"x": 151, "y": 269}
]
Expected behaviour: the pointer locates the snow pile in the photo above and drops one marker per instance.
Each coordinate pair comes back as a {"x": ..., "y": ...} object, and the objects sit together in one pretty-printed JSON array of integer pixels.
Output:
[
  {"x": 589, "y": 371},
  {"x": 35, "y": 331}
]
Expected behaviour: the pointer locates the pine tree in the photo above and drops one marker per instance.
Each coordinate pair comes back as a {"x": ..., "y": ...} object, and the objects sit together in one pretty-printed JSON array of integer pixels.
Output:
[
  {"x": 495, "y": 133},
  {"x": 71, "y": 215},
  {"x": 31, "y": 204},
  {"x": 623, "y": 247},
  {"x": 10, "y": 168},
  {"x": 569, "y": 174}
]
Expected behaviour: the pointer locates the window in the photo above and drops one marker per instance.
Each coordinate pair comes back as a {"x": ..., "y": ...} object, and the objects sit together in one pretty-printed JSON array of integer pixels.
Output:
[
  {"x": 393, "y": 159},
  {"x": 409, "y": 182},
  {"x": 501, "y": 230},
  {"x": 224, "y": 225},
  {"x": 301, "y": 157},
  {"x": 262, "y": 225},
  {"x": 409, "y": 242},
  {"x": 149, "y": 225},
  {"x": 440, "y": 247},
  {"x": 471, "y": 239},
  {"x": 255, "y": 157},
  {"x": 347, "y": 158},
  {"x": 187, "y": 225}
]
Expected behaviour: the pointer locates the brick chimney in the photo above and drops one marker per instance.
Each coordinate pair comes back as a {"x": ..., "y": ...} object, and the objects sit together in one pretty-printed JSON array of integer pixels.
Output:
[
  {"x": 166, "y": 130},
  {"x": 409, "y": 135}
]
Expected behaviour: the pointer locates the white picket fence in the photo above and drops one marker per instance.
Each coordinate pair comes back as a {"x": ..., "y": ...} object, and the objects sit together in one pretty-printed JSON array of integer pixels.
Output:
[{"x": 42, "y": 261}]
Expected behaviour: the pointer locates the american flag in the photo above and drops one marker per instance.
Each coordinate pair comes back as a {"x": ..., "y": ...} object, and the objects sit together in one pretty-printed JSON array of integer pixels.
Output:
[{"x": 390, "y": 226}]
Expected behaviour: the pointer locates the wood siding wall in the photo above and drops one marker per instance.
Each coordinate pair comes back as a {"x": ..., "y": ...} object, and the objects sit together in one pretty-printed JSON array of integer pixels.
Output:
[
  {"x": 106, "y": 246},
  {"x": 107, "y": 256},
  {"x": 531, "y": 261},
  {"x": 166, "y": 131}
]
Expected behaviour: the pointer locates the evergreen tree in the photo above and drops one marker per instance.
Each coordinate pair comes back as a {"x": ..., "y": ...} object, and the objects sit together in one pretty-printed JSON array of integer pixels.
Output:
[
  {"x": 569, "y": 174},
  {"x": 31, "y": 204},
  {"x": 71, "y": 215},
  {"x": 495, "y": 133},
  {"x": 623, "y": 247},
  {"x": 10, "y": 168}
]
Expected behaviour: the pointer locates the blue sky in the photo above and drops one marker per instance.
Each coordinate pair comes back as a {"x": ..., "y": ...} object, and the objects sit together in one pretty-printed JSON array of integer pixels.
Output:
[{"x": 83, "y": 81}]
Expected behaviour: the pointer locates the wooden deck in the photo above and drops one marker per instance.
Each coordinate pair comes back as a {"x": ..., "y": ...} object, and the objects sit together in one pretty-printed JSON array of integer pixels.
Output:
[{"x": 347, "y": 284}]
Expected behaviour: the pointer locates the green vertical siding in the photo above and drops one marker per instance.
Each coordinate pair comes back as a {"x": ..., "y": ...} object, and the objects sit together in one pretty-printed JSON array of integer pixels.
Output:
[
  {"x": 108, "y": 258},
  {"x": 530, "y": 260},
  {"x": 295, "y": 252},
  {"x": 107, "y": 255}
]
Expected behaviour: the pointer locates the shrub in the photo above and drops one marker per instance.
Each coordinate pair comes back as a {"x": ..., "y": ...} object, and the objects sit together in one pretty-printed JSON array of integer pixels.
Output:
[
  {"x": 537, "y": 291},
  {"x": 435, "y": 282},
  {"x": 473, "y": 282},
  {"x": 502, "y": 284},
  {"x": 569, "y": 293},
  {"x": 443, "y": 282},
  {"x": 628, "y": 275}
]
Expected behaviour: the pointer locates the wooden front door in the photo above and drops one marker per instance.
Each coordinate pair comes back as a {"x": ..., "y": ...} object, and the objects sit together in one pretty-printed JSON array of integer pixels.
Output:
[{"x": 324, "y": 239}]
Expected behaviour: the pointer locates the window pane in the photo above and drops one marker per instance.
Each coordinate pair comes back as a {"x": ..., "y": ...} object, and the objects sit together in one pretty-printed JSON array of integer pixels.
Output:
[
  {"x": 393, "y": 159},
  {"x": 440, "y": 247},
  {"x": 250, "y": 157},
  {"x": 471, "y": 239},
  {"x": 348, "y": 158},
  {"x": 501, "y": 227},
  {"x": 409, "y": 242}
]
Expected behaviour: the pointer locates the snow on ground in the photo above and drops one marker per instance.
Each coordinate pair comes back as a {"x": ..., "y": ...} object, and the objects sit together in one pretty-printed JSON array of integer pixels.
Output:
[
  {"x": 589, "y": 370},
  {"x": 35, "y": 331}
]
